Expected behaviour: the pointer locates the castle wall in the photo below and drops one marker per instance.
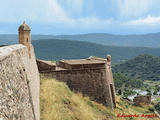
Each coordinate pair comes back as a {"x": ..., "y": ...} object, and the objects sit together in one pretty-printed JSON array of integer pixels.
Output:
[
  {"x": 45, "y": 66},
  {"x": 90, "y": 82},
  {"x": 19, "y": 84}
]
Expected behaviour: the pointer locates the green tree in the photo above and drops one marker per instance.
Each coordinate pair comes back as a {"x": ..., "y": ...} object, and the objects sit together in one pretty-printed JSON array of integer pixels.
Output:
[
  {"x": 120, "y": 92},
  {"x": 128, "y": 93},
  {"x": 148, "y": 92},
  {"x": 157, "y": 87},
  {"x": 157, "y": 106},
  {"x": 155, "y": 92},
  {"x": 123, "y": 81}
]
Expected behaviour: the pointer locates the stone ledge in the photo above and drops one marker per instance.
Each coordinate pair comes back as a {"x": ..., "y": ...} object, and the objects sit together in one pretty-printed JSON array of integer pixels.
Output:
[{"x": 7, "y": 50}]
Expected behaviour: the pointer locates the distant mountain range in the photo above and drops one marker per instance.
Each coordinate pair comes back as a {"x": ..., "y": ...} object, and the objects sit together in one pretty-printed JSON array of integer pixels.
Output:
[
  {"x": 8, "y": 39},
  {"x": 121, "y": 47},
  {"x": 146, "y": 40},
  {"x": 54, "y": 49},
  {"x": 143, "y": 67}
]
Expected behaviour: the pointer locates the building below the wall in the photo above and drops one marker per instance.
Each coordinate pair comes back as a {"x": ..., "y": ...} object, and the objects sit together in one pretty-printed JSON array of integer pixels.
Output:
[{"x": 138, "y": 100}]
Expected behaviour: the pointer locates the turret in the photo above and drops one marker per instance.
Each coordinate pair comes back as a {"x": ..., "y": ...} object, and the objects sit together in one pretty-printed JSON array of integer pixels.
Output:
[
  {"x": 25, "y": 36},
  {"x": 108, "y": 57}
]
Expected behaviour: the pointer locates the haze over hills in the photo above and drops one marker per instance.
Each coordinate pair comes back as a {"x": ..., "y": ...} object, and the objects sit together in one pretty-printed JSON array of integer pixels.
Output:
[
  {"x": 6, "y": 39},
  {"x": 54, "y": 49},
  {"x": 146, "y": 40}
]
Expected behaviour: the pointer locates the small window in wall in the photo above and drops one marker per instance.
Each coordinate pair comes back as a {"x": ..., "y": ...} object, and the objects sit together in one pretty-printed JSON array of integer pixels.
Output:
[{"x": 27, "y": 39}]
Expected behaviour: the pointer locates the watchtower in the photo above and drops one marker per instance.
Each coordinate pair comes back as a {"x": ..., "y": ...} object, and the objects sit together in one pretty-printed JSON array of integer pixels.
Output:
[{"x": 25, "y": 36}]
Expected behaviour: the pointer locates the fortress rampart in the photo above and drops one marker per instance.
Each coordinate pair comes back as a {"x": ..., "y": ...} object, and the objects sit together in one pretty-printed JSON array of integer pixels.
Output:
[
  {"x": 91, "y": 76},
  {"x": 19, "y": 84}
]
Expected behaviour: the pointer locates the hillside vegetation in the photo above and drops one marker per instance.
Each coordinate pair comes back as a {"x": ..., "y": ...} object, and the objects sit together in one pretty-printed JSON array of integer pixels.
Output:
[
  {"x": 143, "y": 67},
  {"x": 53, "y": 49},
  {"x": 122, "y": 82},
  {"x": 58, "y": 102}
]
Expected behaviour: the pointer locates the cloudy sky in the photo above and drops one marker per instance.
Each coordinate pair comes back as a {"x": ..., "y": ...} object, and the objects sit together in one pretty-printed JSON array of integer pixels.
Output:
[{"x": 81, "y": 16}]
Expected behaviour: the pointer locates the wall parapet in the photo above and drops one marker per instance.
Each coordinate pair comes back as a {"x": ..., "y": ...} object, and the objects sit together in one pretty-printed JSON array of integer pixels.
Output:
[{"x": 19, "y": 89}]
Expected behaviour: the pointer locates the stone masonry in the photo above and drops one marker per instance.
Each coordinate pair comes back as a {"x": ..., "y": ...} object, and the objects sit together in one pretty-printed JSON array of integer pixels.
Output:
[
  {"x": 19, "y": 90},
  {"x": 138, "y": 100},
  {"x": 19, "y": 80},
  {"x": 91, "y": 76},
  {"x": 45, "y": 65}
]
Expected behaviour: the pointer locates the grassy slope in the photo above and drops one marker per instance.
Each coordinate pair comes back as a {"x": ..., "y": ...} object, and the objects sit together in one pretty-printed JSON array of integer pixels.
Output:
[{"x": 59, "y": 103}]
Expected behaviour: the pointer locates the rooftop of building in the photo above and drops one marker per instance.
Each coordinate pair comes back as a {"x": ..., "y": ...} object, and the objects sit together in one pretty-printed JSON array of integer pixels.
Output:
[
  {"x": 47, "y": 62},
  {"x": 24, "y": 27},
  {"x": 90, "y": 60}
]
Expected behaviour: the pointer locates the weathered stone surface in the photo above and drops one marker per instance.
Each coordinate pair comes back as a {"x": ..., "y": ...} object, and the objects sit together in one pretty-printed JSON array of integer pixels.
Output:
[
  {"x": 88, "y": 81},
  {"x": 19, "y": 84},
  {"x": 138, "y": 100},
  {"x": 45, "y": 66},
  {"x": 92, "y": 77}
]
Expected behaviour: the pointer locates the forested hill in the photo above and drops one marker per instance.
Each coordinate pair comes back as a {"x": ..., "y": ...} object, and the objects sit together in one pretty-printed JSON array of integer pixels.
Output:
[
  {"x": 144, "y": 67},
  {"x": 53, "y": 49},
  {"x": 146, "y": 40}
]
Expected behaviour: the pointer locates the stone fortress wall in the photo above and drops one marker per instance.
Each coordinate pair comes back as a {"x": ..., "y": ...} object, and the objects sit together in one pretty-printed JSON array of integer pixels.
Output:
[
  {"x": 19, "y": 84},
  {"x": 91, "y": 76}
]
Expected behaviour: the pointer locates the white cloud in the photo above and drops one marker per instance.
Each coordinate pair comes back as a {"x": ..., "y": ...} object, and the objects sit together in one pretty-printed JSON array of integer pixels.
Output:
[
  {"x": 32, "y": 10},
  {"x": 73, "y": 6},
  {"x": 56, "y": 13},
  {"x": 48, "y": 11},
  {"x": 93, "y": 22},
  {"x": 149, "y": 20},
  {"x": 131, "y": 8}
]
